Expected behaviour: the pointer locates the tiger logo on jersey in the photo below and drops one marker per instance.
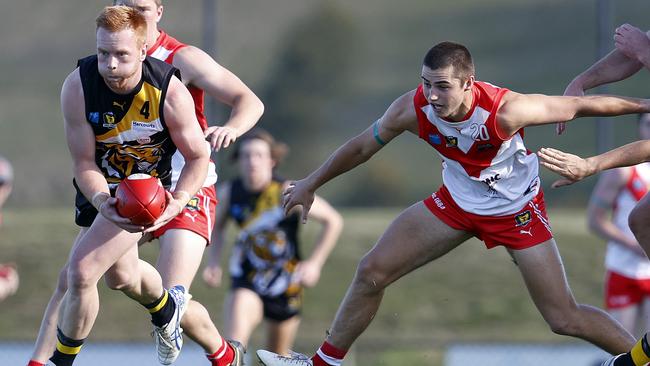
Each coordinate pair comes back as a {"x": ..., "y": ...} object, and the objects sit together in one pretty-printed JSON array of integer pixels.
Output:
[{"x": 124, "y": 160}]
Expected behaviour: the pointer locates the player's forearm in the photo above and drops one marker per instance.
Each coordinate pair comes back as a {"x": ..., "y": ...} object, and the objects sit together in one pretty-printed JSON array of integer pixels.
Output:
[
  {"x": 327, "y": 239},
  {"x": 192, "y": 177},
  {"x": 92, "y": 184},
  {"x": 611, "y": 68},
  {"x": 610, "y": 105},
  {"x": 628, "y": 155},
  {"x": 345, "y": 158},
  {"x": 214, "y": 250},
  {"x": 245, "y": 113}
]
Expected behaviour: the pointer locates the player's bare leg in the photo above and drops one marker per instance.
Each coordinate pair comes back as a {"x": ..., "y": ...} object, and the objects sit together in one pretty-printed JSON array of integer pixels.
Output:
[
  {"x": 244, "y": 311},
  {"x": 629, "y": 317},
  {"x": 101, "y": 247},
  {"x": 46, "y": 340},
  {"x": 413, "y": 239},
  {"x": 544, "y": 276},
  {"x": 281, "y": 334},
  {"x": 180, "y": 256}
]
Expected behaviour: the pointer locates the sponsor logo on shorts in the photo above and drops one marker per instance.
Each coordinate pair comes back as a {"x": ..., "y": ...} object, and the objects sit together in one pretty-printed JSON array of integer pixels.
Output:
[
  {"x": 619, "y": 300},
  {"x": 529, "y": 232},
  {"x": 438, "y": 202},
  {"x": 191, "y": 216},
  {"x": 144, "y": 140},
  {"x": 193, "y": 204},
  {"x": 451, "y": 141},
  {"x": 523, "y": 218}
]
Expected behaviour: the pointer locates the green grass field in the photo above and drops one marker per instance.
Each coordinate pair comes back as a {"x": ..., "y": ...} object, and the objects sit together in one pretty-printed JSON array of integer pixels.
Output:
[{"x": 470, "y": 295}]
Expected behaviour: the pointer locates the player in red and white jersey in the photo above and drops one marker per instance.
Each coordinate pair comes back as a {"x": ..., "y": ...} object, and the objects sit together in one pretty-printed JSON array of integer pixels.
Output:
[
  {"x": 183, "y": 240},
  {"x": 627, "y": 286},
  {"x": 477, "y": 129}
]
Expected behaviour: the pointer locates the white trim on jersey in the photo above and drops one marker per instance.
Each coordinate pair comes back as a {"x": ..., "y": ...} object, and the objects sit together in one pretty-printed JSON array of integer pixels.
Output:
[{"x": 161, "y": 53}]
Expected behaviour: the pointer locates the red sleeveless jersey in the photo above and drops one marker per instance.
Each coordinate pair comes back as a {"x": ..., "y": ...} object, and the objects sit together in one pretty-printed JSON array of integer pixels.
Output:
[
  {"x": 164, "y": 49},
  {"x": 484, "y": 173}
]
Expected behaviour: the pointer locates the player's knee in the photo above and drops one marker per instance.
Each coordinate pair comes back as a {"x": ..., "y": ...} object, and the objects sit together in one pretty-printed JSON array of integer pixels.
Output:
[
  {"x": 80, "y": 277},
  {"x": 119, "y": 280},
  {"x": 370, "y": 275}
]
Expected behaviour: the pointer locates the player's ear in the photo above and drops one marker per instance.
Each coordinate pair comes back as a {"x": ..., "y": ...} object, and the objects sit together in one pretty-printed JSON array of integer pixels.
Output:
[
  {"x": 469, "y": 82},
  {"x": 159, "y": 13},
  {"x": 143, "y": 51}
]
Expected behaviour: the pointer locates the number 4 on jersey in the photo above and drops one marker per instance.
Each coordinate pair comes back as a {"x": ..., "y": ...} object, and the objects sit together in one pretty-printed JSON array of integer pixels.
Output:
[{"x": 145, "y": 110}]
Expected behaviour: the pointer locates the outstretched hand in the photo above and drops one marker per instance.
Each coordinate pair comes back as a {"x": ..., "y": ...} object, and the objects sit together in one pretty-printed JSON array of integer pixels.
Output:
[
  {"x": 220, "y": 137},
  {"x": 572, "y": 167},
  {"x": 298, "y": 194}
]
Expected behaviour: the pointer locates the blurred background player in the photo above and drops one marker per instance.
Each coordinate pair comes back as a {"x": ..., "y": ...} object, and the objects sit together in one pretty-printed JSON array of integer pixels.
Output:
[
  {"x": 9, "y": 280},
  {"x": 267, "y": 272},
  {"x": 184, "y": 239},
  {"x": 627, "y": 282}
]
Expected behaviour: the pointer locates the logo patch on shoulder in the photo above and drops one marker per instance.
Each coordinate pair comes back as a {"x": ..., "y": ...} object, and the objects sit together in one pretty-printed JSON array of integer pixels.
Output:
[{"x": 523, "y": 218}]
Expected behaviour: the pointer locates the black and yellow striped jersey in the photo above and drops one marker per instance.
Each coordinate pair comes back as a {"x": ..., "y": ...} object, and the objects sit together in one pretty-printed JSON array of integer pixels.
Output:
[{"x": 130, "y": 131}]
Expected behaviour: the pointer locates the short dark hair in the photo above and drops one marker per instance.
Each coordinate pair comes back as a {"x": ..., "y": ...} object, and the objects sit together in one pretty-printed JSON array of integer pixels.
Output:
[
  {"x": 279, "y": 150},
  {"x": 450, "y": 54}
]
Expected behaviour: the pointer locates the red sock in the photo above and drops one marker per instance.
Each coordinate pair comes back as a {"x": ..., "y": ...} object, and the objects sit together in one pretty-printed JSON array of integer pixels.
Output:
[
  {"x": 35, "y": 363},
  {"x": 328, "y": 355},
  {"x": 223, "y": 356}
]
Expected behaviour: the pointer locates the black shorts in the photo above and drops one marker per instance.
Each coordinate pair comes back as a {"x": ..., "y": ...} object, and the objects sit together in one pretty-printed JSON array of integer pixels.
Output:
[
  {"x": 84, "y": 211},
  {"x": 276, "y": 308}
]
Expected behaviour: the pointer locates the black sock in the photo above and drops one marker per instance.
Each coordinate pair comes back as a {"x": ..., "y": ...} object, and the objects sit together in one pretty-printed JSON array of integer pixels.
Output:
[
  {"x": 66, "y": 349},
  {"x": 162, "y": 310}
]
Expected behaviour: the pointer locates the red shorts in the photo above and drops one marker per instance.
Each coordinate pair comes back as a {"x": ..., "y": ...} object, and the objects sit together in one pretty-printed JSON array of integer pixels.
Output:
[
  {"x": 197, "y": 216},
  {"x": 520, "y": 230},
  {"x": 621, "y": 291}
]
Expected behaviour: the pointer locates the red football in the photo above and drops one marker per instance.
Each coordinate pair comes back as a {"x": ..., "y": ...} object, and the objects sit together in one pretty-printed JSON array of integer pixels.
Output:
[{"x": 141, "y": 198}]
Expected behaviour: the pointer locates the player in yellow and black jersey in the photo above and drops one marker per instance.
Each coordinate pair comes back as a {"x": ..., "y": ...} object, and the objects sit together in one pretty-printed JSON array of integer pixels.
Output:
[
  {"x": 268, "y": 274},
  {"x": 130, "y": 132},
  {"x": 124, "y": 114}
]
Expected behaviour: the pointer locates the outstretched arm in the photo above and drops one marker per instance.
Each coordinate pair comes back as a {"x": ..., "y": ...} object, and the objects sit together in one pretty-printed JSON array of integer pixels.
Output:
[
  {"x": 632, "y": 52},
  {"x": 399, "y": 117},
  {"x": 309, "y": 270},
  {"x": 202, "y": 71},
  {"x": 574, "y": 168},
  {"x": 523, "y": 110}
]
